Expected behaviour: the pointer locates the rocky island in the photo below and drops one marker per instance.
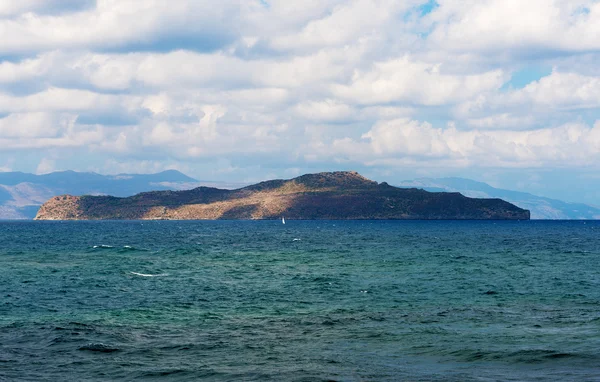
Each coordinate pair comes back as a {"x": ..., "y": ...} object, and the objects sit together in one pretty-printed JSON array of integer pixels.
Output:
[{"x": 329, "y": 195}]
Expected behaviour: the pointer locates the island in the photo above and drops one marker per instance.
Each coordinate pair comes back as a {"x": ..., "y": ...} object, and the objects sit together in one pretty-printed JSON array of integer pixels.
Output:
[{"x": 340, "y": 195}]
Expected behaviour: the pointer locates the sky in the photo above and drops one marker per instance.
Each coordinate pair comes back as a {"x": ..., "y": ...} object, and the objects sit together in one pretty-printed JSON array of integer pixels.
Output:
[{"x": 501, "y": 91}]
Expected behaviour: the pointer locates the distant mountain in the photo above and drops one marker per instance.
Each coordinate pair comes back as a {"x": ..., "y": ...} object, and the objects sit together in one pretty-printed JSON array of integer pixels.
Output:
[
  {"x": 22, "y": 194},
  {"x": 540, "y": 207},
  {"x": 328, "y": 195}
]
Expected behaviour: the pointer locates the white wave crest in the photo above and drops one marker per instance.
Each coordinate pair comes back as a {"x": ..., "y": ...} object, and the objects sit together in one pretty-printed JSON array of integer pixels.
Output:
[{"x": 147, "y": 275}]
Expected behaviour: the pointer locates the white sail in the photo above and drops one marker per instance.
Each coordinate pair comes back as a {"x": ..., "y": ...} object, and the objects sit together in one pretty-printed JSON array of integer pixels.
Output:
[{"x": 282, "y": 220}]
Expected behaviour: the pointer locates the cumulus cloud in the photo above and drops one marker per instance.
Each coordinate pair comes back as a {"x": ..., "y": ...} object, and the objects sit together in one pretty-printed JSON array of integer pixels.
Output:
[
  {"x": 565, "y": 90},
  {"x": 526, "y": 28},
  {"x": 556, "y": 97},
  {"x": 274, "y": 87},
  {"x": 25, "y": 131},
  {"x": 410, "y": 82},
  {"x": 411, "y": 141},
  {"x": 122, "y": 25},
  {"x": 345, "y": 24}
]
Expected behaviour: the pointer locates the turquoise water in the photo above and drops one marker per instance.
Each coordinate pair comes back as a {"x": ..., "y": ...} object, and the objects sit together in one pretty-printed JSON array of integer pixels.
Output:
[{"x": 305, "y": 301}]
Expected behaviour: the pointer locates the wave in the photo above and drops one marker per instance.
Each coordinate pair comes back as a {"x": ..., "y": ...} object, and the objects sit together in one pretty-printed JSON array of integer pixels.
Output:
[
  {"x": 99, "y": 347},
  {"x": 129, "y": 248},
  {"x": 519, "y": 356},
  {"x": 123, "y": 249},
  {"x": 148, "y": 275}
]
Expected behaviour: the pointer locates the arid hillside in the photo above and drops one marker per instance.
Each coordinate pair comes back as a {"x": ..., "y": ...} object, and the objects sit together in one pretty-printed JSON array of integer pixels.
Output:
[{"x": 331, "y": 195}]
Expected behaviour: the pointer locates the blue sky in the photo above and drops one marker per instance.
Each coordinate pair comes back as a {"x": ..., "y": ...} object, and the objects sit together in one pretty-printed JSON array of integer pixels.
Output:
[{"x": 502, "y": 91}]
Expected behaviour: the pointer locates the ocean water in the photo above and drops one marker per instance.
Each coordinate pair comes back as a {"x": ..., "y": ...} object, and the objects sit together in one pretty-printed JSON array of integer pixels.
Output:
[{"x": 305, "y": 301}]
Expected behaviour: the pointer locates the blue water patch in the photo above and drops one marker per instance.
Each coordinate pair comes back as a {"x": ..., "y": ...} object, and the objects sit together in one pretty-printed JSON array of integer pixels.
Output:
[{"x": 308, "y": 300}]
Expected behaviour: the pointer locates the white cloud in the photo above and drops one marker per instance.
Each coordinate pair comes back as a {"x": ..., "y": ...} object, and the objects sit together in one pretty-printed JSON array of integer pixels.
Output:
[
  {"x": 45, "y": 166},
  {"x": 115, "y": 24},
  {"x": 326, "y": 110},
  {"x": 11, "y": 72},
  {"x": 231, "y": 87},
  {"x": 59, "y": 99},
  {"x": 45, "y": 131},
  {"x": 285, "y": 16},
  {"x": 8, "y": 8},
  {"x": 412, "y": 82},
  {"x": 554, "y": 97},
  {"x": 502, "y": 121},
  {"x": 412, "y": 141},
  {"x": 566, "y": 90},
  {"x": 406, "y": 142},
  {"x": 345, "y": 24},
  {"x": 516, "y": 27},
  {"x": 182, "y": 69},
  {"x": 32, "y": 125},
  {"x": 12, "y": 8}
]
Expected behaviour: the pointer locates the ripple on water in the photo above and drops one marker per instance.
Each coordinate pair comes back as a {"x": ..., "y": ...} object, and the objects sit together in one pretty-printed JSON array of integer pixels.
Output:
[{"x": 99, "y": 347}]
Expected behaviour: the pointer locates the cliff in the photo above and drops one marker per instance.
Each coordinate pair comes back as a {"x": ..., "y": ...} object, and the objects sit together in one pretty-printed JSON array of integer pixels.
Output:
[{"x": 333, "y": 195}]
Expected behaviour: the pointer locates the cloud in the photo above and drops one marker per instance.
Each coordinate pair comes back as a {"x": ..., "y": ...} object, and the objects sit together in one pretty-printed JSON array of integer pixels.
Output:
[
  {"x": 56, "y": 99},
  {"x": 326, "y": 110},
  {"x": 45, "y": 166},
  {"x": 32, "y": 125},
  {"x": 515, "y": 27},
  {"x": 122, "y": 25},
  {"x": 345, "y": 24},
  {"x": 28, "y": 69},
  {"x": 35, "y": 131},
  {"x": 565, "y": 90},
  {"x": 559, "y": 96},
  {"x": 412, "y": 82},
  {"x": 256, "y": 88},
  {"x": 15, "y": 8},
  {"x": 502, "y": 121},
  {"x": 115, "y": 72},
  {"x": 409, "y": 141}
]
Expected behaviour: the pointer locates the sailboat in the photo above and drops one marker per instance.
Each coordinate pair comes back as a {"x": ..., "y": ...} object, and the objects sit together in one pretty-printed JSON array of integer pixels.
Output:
[{"x": 282, "y": 220}]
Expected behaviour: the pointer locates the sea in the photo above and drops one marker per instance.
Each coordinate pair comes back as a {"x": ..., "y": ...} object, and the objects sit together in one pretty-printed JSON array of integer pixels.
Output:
[{"x": 304, "y": 301}]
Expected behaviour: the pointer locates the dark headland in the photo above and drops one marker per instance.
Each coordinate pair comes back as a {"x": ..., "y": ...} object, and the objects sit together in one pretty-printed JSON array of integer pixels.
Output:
[{"x": 329, "y": 195}]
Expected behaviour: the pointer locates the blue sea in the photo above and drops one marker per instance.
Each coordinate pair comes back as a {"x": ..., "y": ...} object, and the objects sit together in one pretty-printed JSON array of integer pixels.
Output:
[{"x": 304, "y": 301}]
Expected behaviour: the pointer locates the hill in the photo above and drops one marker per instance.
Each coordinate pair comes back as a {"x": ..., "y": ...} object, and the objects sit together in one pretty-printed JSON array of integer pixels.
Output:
[
  {"x": 332, "y": 195},
  {"x": 540, "y": 207}
]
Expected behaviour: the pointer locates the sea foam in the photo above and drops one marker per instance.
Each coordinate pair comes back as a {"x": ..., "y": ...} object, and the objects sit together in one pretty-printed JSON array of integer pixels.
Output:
[{"x": 148, "y": 275}]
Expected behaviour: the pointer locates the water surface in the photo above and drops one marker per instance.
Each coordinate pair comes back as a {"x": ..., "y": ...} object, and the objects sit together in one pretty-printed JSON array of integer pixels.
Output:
[{"x": 305, "y": 301}]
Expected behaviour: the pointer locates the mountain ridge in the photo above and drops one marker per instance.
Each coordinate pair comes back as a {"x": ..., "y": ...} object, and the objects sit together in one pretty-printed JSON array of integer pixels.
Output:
[{"x": 21, "y": 194}]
